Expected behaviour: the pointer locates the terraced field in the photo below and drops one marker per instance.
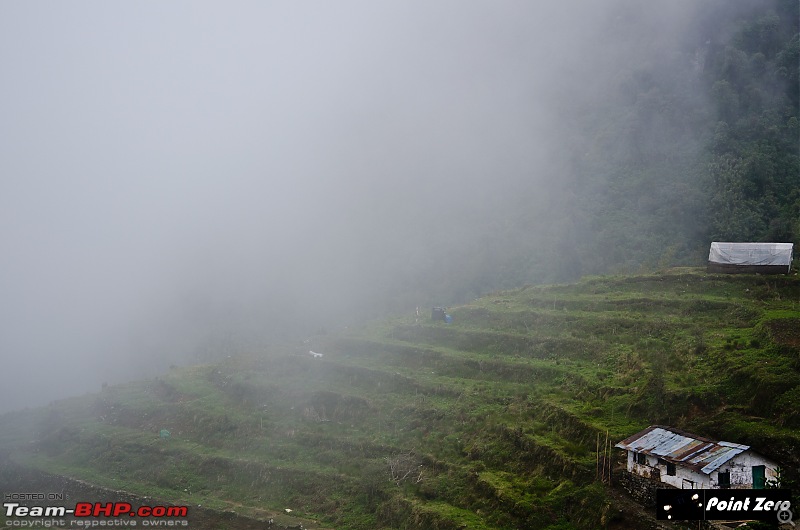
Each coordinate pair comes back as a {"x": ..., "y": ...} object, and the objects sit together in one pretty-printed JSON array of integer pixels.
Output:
[{"x": 501, "y": 419}]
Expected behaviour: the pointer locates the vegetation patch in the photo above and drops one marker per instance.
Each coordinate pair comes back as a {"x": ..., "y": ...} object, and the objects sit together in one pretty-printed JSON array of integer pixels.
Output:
[{"x": 501, "y": 419}]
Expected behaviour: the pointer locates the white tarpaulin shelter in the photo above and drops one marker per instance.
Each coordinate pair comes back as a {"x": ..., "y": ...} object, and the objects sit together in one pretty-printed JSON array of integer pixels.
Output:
[{"x": 768, "y": 258}]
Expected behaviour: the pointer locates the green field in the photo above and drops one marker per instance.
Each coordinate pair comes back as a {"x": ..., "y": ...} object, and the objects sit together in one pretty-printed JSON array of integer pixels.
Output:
[{"x": 492, "y": 421}]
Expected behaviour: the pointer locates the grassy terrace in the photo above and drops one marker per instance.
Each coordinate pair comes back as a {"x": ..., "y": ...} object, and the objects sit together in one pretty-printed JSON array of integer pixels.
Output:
[{"x": 489, "y": 422}]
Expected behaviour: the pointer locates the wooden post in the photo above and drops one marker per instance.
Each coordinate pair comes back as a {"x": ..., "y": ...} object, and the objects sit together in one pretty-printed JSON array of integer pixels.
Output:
[
  {"x": 609, "y": 460},
  {"x": 604, "y": 456},
  {"x": 597, "y": 458}
]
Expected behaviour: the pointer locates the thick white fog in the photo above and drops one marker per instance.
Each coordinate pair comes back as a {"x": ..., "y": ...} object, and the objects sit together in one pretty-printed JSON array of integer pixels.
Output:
[{"x": 178, "y": 178}]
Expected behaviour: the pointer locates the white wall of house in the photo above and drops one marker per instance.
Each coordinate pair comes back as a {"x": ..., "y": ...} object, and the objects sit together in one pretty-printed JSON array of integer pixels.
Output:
[
  {"x": 686, "y": 478},
  {"x": 740, "y": 467}
]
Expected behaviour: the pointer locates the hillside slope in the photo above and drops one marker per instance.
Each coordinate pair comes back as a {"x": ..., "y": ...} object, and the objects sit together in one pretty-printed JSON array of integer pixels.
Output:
[{"x": 493, "y": 421}]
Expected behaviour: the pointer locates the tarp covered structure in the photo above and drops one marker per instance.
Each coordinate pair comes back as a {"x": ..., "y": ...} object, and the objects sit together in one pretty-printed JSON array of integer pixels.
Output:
[{"x": 767, "y": 258}]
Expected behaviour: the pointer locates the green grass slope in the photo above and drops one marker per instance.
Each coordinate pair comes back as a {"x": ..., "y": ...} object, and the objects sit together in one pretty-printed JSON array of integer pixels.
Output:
[{"x": 492, "y": 421}]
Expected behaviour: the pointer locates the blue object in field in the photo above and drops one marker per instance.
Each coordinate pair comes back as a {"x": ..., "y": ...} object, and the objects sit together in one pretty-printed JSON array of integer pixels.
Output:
[{"x": 447, "y": 319}]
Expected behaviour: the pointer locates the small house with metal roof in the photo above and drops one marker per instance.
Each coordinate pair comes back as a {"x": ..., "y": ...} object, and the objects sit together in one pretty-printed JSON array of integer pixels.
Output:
[
  {"x": 762, "y": 258},
  {"x": 683, "y": 460}
]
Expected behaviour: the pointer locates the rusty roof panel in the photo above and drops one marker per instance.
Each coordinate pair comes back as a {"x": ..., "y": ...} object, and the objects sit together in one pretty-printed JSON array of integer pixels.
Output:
[{"x": 685, "y": 449}]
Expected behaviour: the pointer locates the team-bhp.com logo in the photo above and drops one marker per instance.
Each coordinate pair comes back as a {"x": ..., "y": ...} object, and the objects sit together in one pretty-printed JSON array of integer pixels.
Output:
[{"x": 90, "y": 513}]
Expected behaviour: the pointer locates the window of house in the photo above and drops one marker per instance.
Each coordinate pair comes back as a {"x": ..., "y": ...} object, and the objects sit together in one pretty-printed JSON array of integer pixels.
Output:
[
  {"x": 671, "y": 469},
  {"x": 641, "y": 459},
  {"x": 724, "y": 479}
]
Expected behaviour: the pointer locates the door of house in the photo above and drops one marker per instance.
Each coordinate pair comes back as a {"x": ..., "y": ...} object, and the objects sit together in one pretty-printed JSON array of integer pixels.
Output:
[
  {"x": 759, "y": 477},
  {"x": 687, "y": 484},
  {"x": 724, "y": 479}
]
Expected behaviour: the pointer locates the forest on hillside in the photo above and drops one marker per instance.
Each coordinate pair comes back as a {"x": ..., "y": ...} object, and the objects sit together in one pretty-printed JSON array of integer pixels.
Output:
[{"x": 692, "y": 141}]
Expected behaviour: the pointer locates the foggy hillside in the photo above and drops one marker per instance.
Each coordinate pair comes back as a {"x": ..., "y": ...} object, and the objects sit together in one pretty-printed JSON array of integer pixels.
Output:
[{"x": 183, "y": 181}]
